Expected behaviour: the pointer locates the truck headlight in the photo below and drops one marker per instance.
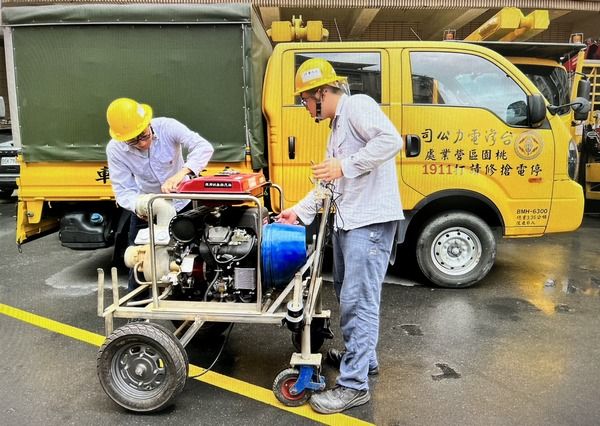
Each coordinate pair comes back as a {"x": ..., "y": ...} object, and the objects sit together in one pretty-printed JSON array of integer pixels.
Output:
[{"x": 573, "y": 160}]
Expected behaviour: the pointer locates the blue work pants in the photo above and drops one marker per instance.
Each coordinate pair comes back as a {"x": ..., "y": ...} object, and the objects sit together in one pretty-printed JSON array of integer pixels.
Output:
[{"x": 360, "y": 261}]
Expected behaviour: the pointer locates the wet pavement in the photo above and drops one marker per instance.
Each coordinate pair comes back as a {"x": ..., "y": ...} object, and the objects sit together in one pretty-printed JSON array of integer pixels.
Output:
[{"x": 522, "y": 347}]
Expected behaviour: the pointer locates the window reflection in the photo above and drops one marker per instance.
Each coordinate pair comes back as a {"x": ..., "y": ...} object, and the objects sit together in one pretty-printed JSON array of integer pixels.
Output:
[{"x": 466, "y": 80}]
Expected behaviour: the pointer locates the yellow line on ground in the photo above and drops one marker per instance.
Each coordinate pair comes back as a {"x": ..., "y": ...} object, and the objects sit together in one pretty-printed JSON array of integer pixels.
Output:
[
  {"x": 227, "y": 383},
  {"x": 55, "y": 326}
]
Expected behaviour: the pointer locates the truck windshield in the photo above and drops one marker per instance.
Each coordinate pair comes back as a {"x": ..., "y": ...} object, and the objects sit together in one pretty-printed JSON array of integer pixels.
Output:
[{"x": 553, "y": 82}]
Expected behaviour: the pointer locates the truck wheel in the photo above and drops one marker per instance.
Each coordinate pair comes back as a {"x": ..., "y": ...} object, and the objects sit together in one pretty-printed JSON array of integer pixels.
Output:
[
  {"x": 456, "y": 249},
  {"x": 142, "y": 367}
]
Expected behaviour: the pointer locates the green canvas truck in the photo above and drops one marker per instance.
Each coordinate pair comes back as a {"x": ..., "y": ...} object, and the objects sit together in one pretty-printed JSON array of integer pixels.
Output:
[{"x": 203, "y": 65}]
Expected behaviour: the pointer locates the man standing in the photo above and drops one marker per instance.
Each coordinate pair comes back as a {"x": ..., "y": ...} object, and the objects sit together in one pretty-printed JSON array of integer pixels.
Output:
[
  {"x": 360, "y": 162},
  {"x": 145, "y": 157}
]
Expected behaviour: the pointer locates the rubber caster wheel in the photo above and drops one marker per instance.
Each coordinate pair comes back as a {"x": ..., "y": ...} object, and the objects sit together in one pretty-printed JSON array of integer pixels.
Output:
[
  {"x": 142, "y": 367},
  {"x": 282, "y": 385}
]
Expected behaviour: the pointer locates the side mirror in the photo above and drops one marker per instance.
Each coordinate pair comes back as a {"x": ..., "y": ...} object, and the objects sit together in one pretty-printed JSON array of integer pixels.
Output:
[
  {"x": 584, "y": 88},
  {"x": 536, "y": 109},
  {"x": 2, "y": 108},
  {"x": 581, "y": 108}
]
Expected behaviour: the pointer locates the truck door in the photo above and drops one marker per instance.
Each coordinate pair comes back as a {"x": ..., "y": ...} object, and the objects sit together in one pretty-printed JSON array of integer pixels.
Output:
[
  {"x": 302, "y": 139},
  {"x": 471, "y": 117}
]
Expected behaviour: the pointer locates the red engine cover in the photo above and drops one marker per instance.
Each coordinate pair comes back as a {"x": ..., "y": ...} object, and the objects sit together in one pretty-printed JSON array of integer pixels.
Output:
[{"x": 228, "y": 183}]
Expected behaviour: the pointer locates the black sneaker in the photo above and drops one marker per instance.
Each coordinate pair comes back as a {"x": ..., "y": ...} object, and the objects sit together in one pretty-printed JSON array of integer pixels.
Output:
[
  {"x": 338, "y": 399},
  {"x": 334, "y": 356}
]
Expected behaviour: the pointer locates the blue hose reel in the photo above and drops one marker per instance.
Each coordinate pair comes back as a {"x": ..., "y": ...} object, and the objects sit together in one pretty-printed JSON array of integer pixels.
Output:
[{"x": 283, "y": 252}]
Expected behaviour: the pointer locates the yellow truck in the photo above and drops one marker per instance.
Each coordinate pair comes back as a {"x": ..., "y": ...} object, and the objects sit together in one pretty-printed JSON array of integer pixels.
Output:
[
  {"x": 558, "y": 71},
  {"x": 483, "y": 156},
  {"x": 542, "y": 63}
]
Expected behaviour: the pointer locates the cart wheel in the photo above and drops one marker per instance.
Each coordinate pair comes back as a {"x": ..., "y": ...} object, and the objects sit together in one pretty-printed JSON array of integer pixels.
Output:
[
  {"x": 142, "y": 367},
  {"x": 282, "y": 385},
  {"x": 175, "y": 340},
  {"x": 318, "y": 334}
]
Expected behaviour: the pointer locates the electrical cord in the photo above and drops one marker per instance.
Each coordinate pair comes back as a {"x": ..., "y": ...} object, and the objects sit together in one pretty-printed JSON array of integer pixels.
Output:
[
  {"x": 206, "y": 370},
  {"x": 335, "y": 196}
]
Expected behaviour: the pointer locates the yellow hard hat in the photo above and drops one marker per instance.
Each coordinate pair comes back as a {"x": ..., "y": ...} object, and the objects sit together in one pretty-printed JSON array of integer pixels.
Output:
[
  {"x": 315, "y": 72},
  {"x": 127, "y": 118}
]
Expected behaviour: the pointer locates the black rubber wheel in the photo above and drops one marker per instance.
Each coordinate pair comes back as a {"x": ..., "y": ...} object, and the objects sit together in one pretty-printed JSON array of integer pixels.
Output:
[
  {"x": 142, "y": 367},
  {"x": 456, "y": 249},
  {"x": 282, "y": 385},
  {"x": 176, "y": 340},
  {"x": 317, "y": 336}
]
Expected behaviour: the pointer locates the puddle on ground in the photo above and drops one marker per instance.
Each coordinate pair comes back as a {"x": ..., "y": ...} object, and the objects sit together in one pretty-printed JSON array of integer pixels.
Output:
[
  {"x": 447, "y": 372},
  {"x": 562, "y": 308},
  {"x": 80, "y": 278},
  {"x": 511, "y": 306},
  {"x": 412, "y": 329},
  {"x": 587, "y": 287}
]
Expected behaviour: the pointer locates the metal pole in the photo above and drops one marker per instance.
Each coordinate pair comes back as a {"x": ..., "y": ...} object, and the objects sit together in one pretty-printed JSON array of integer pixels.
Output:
[{"x": 100, "y": 291}]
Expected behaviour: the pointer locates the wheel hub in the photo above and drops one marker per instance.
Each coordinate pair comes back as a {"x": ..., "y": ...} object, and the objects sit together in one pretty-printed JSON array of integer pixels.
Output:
[
  {"x": 139, "y": 369},
  {"x": 456, "y": 251}
]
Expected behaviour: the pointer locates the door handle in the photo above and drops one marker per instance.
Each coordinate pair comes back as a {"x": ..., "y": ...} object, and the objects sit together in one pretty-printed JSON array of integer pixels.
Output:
[
  {"x": 413, "y": 146},
  {"x": 291, "y": 147}
]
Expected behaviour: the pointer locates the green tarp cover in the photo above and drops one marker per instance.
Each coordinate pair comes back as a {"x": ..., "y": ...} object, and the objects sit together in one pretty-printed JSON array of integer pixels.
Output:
[{"x": 200, "y": 64}]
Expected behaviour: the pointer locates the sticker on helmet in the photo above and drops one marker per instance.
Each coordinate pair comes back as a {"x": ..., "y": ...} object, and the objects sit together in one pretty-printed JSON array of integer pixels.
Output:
[
  {"x": 140, "y": 111},
  {"x": 312, "y": 74}
]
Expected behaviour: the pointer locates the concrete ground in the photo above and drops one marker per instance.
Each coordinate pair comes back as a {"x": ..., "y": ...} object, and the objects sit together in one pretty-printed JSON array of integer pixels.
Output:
[{"x": 522, "y": 347}]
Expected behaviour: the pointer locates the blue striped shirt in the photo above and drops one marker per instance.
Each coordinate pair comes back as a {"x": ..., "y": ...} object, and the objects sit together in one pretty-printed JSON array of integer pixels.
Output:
[
  {"x": 367, "y": 143},
  {"x": 134, "y": 172}
]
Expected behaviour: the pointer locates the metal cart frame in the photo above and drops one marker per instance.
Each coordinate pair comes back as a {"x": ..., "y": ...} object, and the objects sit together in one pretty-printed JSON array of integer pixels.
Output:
[{"x": 302, "y": 296}]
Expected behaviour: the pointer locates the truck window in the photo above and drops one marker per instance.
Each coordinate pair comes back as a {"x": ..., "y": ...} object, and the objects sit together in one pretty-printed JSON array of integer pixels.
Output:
[
  {"x": 445, "y": 78},
  {"x": 553, "y": 82},
  {"x": 363, "y": 70}
]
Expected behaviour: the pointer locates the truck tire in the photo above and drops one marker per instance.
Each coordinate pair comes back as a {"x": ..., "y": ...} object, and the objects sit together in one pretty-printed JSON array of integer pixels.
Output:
[{"x": 455, "y": 249}]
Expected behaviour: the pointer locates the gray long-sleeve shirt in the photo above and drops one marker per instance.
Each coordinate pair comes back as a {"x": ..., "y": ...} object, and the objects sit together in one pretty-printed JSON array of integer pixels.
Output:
[
  {"x": 134, "y": 172},
  {"x": 367, "y": 143}
]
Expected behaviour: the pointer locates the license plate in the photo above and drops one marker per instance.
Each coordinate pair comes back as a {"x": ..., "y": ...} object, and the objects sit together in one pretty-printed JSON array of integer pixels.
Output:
[{"x": 8, "y": 161}]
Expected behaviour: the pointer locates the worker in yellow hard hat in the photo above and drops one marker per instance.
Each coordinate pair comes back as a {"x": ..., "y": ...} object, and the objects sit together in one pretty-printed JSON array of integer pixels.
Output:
[
  {"x": 145, "y": 157},
  {"x": 361, "y": 171}
]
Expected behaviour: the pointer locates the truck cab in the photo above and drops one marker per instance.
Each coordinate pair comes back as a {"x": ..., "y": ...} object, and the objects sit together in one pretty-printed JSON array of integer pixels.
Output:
[{"x": 483, "y": 156}]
